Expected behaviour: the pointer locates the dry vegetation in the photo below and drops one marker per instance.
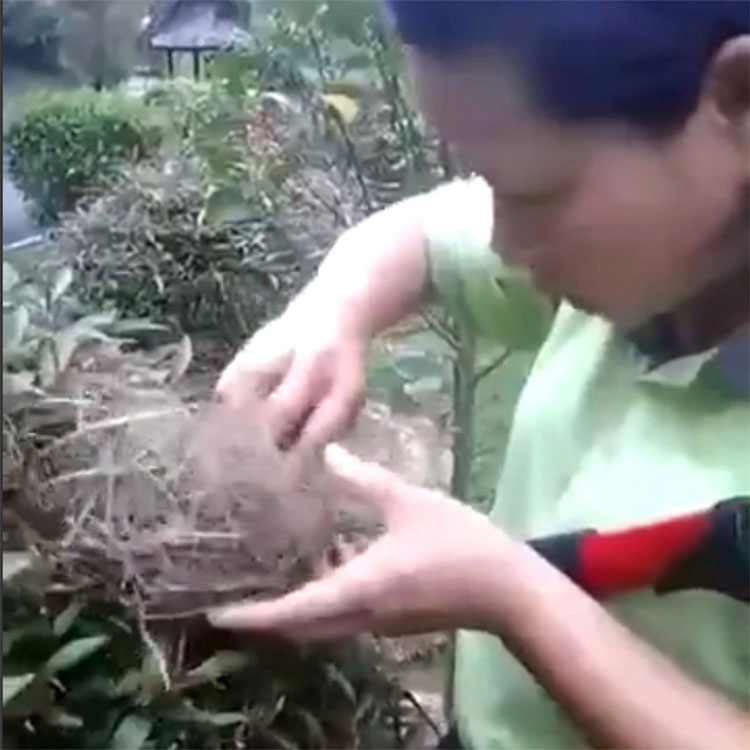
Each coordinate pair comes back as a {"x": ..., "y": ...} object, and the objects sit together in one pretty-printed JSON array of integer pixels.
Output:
[
  {"x": 134, "y": 500},
  {"x": 130, "y": 503}
]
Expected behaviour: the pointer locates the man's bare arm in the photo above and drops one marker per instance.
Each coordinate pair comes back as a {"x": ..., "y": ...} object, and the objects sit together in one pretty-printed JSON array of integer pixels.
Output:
[
  {"x": 618, "y": 690},
  {"x": 309, "y": 364},
  {"x": 376, "y": 273}
]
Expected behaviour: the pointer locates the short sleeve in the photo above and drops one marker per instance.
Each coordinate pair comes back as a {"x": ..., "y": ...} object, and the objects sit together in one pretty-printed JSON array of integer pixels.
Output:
[{"x": 468, "y": 276}]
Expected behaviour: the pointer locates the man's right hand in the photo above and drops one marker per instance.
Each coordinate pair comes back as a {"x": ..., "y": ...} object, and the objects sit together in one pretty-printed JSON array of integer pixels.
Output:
[
  {"x": 309, "y": 367},
  {"x": 309, "y": 364}
]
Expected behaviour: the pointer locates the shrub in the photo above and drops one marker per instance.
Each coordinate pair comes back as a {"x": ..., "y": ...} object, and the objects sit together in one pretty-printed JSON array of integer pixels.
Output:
[
  {"x": 149, "y": 248},
  {"x": 83, "y": 676},
  {"x": 217, "y": 234},
  {"x": 84, "y": 664},
  {"x": 65, "y": 143}
]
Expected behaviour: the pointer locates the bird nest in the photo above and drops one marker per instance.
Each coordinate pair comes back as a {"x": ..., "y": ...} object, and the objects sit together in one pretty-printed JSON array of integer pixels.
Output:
[{"x": 171, "y": 509}]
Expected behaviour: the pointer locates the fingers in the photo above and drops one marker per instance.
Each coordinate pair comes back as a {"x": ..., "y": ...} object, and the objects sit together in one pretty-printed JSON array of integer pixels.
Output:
[
  {"x": 252, "y": 370},
  {"x": 335, "y": 414},
  {"x": 365, "y": 482},
  {"x": 292, "y": 403},
  {"x": 313, "y": 391},
  {"x": 329, "y": 608}
]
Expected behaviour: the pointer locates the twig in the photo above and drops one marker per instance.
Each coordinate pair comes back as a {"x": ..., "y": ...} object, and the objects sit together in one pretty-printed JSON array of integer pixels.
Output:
[
  {"x": 84, "y": 514},
  {"x": 353, "y": 157},
  {"x": 497, "y": 362},
  {"x": 179, "y": 661},
  {"x": 108, "y": 458},
  {"x": 441, "y": 329},
  {"x": 82, "y": 474},
  {"x": 157, "y": 482},
  {"x": 153, "y": 646},
  {"x": 427, "y": 718},
  {"x": 107, "y": 424},
  {"x": 338, "y": 213}
]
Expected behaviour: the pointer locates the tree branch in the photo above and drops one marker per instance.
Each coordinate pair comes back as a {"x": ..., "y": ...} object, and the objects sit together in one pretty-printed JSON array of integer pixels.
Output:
[
  {"x": 441, "y": 329},
  {"x": 497, "y": 362}
]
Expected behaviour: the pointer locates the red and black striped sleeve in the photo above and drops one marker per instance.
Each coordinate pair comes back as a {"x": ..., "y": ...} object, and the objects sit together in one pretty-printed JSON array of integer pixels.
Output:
[{"x": 707, "y": 550}]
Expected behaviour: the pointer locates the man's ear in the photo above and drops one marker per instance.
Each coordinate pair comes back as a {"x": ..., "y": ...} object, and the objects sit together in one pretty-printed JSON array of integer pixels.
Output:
[{"x": 727, "y": 87}]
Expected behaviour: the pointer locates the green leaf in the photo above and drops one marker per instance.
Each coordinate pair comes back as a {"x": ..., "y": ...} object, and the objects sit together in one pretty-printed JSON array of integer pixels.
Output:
[
  {"x": 66, "y": 344},
  {"x": 30, "y": 294},
  {"x": 47, "y": 363},
  {"x": 131, "y": 733},
  {"x": 336, "y": 676},
  {"x": 345, "y": 107},
  {"x": 222, "y": 719},
  {"x": 424, "y": 386},
  {"x": 15, "y": 563},
  {"x": 382, "y": 375},
  {"x": 284, "y": 742},
  {"x": 96, "y": 321},
  {"x": 19, "y": 384},
  {"x": 63, "y": 280},
  {"x": 36, "y": 629},
  {"x": 220, "y": 664},
  {"x": 15, "y": 324},
  {"x": 182, "y": 359},
  {"x": 10, "y": 277},
  {"x": 21, "y": 357},
  {"x": 66, "y": 618},
  {"x": 132, "y": 326},
  {"x": 148, "y": 681},
  {"x": 63, "y": 720},
  {"x": 130, "y": 683},
  {"x": 316, "y": 735},
  {"x": 12, "y": 686},
  {"x": 226, "y": 205},
  {"x": 74, "y": 652},
  {"x": 67, "y": 341},
  {"x": 198, "y": 716},
  {"x": 415, "y": 366}
]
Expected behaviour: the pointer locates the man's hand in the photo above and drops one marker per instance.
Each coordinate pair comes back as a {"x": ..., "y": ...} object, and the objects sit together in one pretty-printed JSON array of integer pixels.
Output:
[
  {"x": 432, "y": 569},
  {"x": 309, "y": 365},
  {"x": 441, "y": 566},
  {"x": 310, "y": 361}
]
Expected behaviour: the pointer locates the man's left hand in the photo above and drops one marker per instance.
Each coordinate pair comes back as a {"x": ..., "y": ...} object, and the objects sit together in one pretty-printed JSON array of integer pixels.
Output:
[{"x": 434, "y": 568}]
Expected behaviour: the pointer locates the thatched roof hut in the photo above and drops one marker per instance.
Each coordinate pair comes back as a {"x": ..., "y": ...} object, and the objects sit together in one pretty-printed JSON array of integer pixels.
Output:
[{"x": 195, "y": 26}]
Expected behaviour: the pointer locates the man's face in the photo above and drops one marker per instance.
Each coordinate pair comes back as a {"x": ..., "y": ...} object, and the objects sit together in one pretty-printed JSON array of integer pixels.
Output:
[{"x": 618, "y": 224}]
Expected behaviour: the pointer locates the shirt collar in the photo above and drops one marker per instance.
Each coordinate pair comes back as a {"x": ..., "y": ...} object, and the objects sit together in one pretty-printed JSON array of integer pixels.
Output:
[{"x": 665, "y": 360}]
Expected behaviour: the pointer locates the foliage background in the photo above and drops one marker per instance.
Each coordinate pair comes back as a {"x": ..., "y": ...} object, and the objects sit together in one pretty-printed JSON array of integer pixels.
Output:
[{"x": 201, "y": 208}]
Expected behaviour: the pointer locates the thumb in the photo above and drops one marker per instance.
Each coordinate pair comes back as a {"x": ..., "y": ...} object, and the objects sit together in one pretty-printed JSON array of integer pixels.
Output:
[
  {"x": 364, "y": 482},
  {"x": 258, "y": 366}
]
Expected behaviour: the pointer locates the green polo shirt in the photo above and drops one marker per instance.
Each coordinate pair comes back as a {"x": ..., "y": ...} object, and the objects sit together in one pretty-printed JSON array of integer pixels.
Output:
[{"x": 599, "y": 440}]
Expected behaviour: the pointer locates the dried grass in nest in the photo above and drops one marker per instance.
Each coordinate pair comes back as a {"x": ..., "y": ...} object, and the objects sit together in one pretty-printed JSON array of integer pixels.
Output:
[{"x": 170, "y": 510}]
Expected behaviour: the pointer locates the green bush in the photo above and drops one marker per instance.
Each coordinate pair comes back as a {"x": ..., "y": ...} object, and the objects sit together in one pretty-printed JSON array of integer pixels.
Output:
[
  {"x": 164, "y": 244},
  {"x": 66, "y": 143},
  {"x": 83, "y": 676}
]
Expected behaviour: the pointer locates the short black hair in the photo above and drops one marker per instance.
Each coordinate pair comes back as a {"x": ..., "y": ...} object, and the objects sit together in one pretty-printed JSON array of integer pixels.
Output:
[{"x": 638, "y": 61}]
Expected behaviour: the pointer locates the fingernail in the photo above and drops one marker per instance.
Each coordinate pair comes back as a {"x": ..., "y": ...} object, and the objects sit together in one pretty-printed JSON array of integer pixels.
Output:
[
  {"x": 223, "y": 618},
  {"x": 335, "y": 453}
]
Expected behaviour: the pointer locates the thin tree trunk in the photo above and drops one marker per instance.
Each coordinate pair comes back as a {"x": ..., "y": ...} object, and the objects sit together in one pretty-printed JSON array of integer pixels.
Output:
[{"x": 464, "y": 390}]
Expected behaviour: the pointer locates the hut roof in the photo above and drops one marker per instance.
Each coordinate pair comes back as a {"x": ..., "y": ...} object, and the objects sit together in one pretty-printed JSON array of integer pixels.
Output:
[{"x": 196, "y": 24}]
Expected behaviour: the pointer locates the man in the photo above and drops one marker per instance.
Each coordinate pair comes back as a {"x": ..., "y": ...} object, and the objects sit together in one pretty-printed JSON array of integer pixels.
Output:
[{"x": 612, "y": 139}]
